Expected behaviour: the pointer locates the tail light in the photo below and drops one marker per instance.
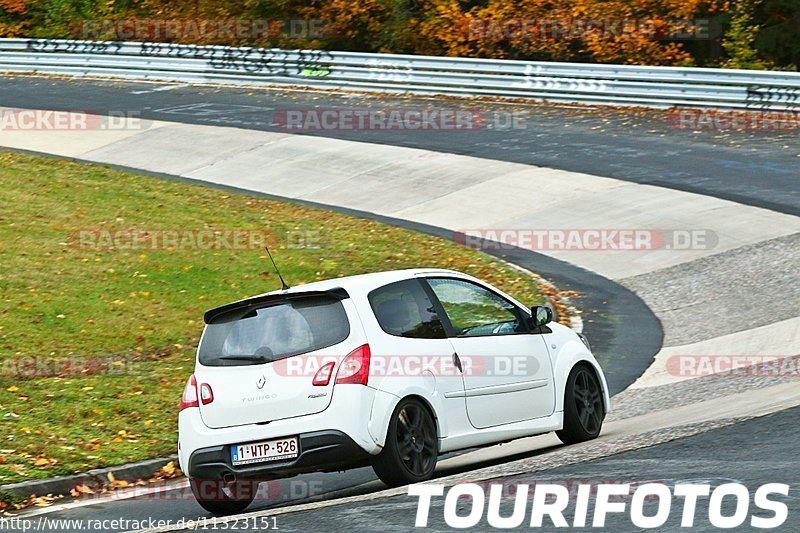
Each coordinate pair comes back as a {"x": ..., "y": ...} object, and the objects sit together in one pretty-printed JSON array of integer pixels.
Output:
[
  {"x": 189, "y": 398},
  {"x": 206, "y": 394},
  {"x": 355, "y": 367},
  {"x": 323, "y": 375}
]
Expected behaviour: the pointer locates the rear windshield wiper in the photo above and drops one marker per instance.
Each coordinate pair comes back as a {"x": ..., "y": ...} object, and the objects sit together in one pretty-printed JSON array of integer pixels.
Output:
[{"x": 256, "y": 358}]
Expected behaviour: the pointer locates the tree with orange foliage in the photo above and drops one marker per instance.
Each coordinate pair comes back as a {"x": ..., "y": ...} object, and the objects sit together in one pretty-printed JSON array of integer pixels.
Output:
[
  {"x": 12, "y": 20},
  {"x": 652, "y": 32},
  {"x": 616, "y": 31}
]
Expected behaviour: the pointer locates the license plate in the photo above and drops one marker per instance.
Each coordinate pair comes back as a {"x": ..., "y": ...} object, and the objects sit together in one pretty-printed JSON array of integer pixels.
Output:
[{"x": 268, "y": 450}]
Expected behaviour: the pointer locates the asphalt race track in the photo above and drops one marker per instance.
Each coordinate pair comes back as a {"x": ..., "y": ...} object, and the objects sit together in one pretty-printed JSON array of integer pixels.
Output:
[
  {"x": 640, "y": 149},
  {"x": 759, "y": 169},
  {"x": 625, "y": 353},
  {"x": 697, "y": 459}
]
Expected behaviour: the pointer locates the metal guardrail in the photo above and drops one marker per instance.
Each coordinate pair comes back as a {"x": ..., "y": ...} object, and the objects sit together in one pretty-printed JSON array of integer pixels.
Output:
[{"x": 555, "y": 82}]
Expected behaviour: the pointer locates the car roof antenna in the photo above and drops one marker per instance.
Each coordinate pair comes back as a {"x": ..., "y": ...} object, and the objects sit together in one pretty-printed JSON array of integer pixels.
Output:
[{"x": 284, "y": 286}]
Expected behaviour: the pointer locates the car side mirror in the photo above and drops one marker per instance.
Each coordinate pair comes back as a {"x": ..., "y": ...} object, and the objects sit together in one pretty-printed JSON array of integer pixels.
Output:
[{"x": 541, "y": 315}]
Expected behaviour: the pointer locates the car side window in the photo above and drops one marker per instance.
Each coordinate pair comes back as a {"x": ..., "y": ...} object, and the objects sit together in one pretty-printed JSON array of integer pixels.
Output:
[
  {"x": 403, "y": 309},
  {"x": 476, "y": 311}
]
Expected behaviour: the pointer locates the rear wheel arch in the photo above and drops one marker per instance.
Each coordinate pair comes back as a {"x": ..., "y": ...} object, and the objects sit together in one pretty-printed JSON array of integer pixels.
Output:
[
  {"x": 384, "y": 406},
  {"x": 431, "y": 411},
  {"x": 411, "y": 446}
]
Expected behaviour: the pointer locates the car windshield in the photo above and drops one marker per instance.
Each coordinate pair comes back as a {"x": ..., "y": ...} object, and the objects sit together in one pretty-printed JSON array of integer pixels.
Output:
[{"x": 286, "y": 328}]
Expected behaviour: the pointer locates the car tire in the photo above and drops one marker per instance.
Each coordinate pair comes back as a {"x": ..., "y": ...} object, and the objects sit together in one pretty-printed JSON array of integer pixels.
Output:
[
  {"x": 411, "y": 449},
  {"x": 221, "y": 499},
  {"x": 584, "y": 409}
]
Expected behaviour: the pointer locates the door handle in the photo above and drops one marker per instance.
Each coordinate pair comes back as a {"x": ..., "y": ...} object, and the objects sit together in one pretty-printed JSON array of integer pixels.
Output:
[{"x": 457, "y": 362}]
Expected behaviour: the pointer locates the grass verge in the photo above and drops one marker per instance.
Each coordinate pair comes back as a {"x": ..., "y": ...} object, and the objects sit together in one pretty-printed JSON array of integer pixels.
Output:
[{"x": 98, "y": 333}]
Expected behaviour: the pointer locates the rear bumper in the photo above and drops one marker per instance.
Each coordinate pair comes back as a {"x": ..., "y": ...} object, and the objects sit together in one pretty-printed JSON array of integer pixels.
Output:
[
  {"x": 320, "y": 451},
  {"x": 349, "y": 413}
]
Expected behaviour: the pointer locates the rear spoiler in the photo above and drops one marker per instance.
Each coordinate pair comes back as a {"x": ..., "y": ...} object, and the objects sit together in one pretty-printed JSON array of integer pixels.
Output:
[{"x": 337, "y": 293}]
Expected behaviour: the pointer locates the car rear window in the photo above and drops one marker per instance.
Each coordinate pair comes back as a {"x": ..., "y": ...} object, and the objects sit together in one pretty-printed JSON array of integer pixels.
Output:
[{"x": 257, "y": 335}]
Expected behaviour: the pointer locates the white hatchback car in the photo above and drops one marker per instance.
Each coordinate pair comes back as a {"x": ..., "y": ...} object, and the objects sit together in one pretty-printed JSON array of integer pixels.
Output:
[{"x": 388, "y": 369}]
